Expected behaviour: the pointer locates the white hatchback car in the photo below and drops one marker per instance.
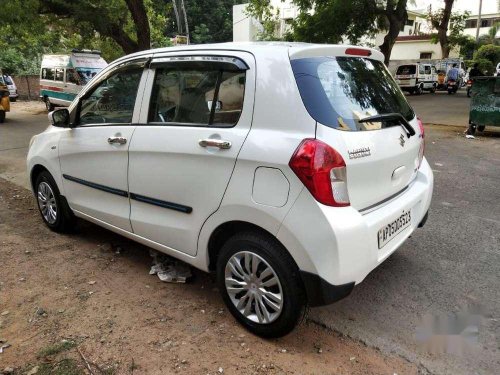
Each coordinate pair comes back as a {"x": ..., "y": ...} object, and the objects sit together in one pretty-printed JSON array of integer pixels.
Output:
[{"x": 289, "y": 170}]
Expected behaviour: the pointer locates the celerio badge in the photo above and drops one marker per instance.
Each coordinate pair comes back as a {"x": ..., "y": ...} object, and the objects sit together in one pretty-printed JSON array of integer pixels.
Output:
[
  {"x": 359, "y": 153},
  {"x": 402, "y": 140}
]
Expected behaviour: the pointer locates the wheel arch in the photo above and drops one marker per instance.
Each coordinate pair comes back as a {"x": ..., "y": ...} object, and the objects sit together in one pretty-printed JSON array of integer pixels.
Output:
[
  {"x": 35, "y": 171},
  {"x": 228, "y": 229}
]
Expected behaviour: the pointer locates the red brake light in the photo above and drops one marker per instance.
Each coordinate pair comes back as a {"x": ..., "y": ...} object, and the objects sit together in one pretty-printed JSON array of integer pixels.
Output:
[
  {"x": 358, "y": 52},
  {"x": 323, "y": 172},
  {"x": 422, "y": 142}
]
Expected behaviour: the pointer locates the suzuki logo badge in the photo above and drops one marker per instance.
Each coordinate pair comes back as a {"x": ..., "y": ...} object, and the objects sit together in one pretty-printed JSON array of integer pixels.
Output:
[{"x": 402, "y": 140}]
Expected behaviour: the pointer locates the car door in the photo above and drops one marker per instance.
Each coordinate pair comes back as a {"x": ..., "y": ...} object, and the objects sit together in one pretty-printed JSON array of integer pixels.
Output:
[
  {"x": 94, "y": 152},
  {"x": 194, "y": 121}
]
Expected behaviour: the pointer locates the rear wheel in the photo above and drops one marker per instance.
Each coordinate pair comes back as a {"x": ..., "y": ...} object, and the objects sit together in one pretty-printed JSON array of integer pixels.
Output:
[
  {"x": 418, "y": 90},
  {"x": 54, "y": 209},
  {"x": 433, "y": 89},
  {"x": 13, "y": 99},
  {"x": 2, "y": 116},
  {"x": 260, "y": 284}
]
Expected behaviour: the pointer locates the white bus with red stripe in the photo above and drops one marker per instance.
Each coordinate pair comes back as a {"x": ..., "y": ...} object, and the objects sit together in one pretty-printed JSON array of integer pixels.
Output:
[{"x": 63, "y": 76}]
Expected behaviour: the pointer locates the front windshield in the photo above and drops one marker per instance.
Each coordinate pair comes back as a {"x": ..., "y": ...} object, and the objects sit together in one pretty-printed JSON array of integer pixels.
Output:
[
  {"x": 339, "y": 91},
  {"x": 86, "y": 74}
]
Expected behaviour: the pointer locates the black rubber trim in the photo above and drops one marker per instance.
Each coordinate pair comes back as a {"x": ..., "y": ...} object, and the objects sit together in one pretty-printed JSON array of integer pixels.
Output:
[
  {"x": 424, "y": 220},
  {"x": 160, "y": 203},
  {"x": 137, "y": 197},
  {"x": 107, "y": 189},
  {"x": 320, "y": 292}
]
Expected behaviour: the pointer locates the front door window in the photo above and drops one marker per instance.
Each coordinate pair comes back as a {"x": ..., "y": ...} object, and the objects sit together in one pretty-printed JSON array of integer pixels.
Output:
[{"x": 112, "y": 101}]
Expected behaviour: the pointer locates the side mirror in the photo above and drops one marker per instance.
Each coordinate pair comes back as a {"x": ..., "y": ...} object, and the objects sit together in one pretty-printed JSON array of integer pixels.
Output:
[{"x": 59, "y": 118}]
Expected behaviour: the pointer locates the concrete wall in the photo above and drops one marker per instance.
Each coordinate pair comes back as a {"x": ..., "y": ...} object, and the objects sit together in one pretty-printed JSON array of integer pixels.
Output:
[
  {"x": 410, "y": 50},
  {"x": 28, "y": 87}
]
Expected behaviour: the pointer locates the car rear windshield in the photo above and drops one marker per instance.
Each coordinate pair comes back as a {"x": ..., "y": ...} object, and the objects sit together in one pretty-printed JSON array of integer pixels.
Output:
[
  {"x": 406, "y": 70},
  {"x": 339, "y": 91}
]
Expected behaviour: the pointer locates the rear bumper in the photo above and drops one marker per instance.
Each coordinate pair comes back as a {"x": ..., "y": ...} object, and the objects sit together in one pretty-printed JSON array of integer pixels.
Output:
[{"x": 340, "y": 244}]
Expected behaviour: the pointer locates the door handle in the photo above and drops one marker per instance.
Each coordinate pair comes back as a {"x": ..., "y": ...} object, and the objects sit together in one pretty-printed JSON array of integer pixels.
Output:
[
  {"x": 117, "y": 140},
  {"x": 223, "y": 145}
]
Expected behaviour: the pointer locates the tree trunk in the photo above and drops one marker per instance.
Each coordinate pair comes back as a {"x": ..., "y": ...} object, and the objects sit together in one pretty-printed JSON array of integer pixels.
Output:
[
  {"x": 105, "y": 25},
  {"x": 140, "y": 17},
  {"x": 397, "y": 19},
  {"x": 443, "y": 29}
]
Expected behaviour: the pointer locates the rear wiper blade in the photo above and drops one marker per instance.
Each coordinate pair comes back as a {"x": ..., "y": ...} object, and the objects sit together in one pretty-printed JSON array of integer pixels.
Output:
[{"x": 392, "y": 116}]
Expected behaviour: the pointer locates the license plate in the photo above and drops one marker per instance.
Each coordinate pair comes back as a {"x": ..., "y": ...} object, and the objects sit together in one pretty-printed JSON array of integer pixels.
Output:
[{"x": 391, "y": 230}]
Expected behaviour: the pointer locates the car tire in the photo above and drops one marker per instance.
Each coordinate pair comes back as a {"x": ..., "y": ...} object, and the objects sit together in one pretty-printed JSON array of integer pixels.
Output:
[
  {"x": 433, "y": 89},
  {"x": 276, "y": 302},
  {"x": 50, "y": 107},
  {"x": 53, "y": 207},
  {"x": 2, "y": 117},
  {"x": 13, "y": 100},
  {"x": 481, "y": 128},
  {"x": 418, "y": 90}
]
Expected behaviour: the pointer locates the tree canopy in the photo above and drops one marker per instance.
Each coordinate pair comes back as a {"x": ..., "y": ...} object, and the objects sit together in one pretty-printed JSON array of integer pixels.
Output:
[
  {"x": 332, "y": 21},
  {"x": 30, "y": 28}
]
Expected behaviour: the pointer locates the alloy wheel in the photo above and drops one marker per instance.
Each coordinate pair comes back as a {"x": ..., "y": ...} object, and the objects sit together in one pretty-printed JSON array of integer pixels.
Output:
[
  {"x": 253, "y": 287},
  {"x": 47, "y": 202}
]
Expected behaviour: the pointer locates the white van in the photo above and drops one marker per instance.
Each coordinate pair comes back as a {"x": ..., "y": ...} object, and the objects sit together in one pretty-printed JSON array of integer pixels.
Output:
[
  {"x": 13, "y": 95},
  {"x": 63, "y": 76},
  {"x": 417, "y": 78}
]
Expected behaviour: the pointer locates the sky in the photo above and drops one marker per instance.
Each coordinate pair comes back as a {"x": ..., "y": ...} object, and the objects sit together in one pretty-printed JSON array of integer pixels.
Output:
[{"x": 489, "y": 6}]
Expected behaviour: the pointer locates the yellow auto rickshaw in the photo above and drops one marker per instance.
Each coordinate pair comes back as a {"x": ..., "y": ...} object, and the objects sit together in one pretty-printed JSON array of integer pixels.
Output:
[{"x": 4, "y": 98}]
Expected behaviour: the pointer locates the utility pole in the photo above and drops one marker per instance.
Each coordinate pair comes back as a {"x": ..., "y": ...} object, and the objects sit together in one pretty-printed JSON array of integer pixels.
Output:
[
  {"x": 479, "y": 20},
  {"x": 186, "y": 20}
]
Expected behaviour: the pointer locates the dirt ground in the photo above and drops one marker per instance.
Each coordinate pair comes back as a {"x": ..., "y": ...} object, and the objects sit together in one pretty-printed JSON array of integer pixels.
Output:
[{"x": 85, "y": 304}]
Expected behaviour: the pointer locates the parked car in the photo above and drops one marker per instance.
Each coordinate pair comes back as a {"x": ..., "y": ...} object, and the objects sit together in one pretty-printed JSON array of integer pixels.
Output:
[
  {"x": 11, "y": 86},
  {"x": 291, "y": 171},
  {"x": 417, "y": 78},
  {"x": 63, "y": 76}
]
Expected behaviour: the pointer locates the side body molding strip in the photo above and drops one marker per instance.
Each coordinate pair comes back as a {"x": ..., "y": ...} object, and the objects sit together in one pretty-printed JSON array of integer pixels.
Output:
[{"x": 137, "y": 197}]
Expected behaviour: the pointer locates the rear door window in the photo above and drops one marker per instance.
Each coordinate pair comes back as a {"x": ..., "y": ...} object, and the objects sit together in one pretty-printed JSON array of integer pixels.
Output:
[
  {"x": 405, "y": 70},
  {"x": 339, "y": 91},
  {"x": 204, "y": 96}
]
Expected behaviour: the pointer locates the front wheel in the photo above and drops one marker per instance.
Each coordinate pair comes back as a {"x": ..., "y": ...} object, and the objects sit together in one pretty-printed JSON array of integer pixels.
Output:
[
  {"x": 54, "y": 209},
  {"x": 50, "y": 107},
  {"x": 260, "y": 284}
]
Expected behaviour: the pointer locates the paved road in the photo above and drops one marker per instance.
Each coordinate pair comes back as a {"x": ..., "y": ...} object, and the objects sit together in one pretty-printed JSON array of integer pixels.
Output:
[
  {"x": 454, "y": 261},
  {"x": 21, "y": 124},
  {"x": 441, "y": 108}
]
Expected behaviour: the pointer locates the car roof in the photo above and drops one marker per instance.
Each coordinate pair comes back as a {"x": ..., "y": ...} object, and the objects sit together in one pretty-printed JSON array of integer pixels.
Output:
[{"x": 298, "y": 49}]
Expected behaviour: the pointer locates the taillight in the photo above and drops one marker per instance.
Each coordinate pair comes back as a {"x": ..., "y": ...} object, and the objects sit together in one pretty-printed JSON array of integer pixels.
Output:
[
  {"x": 422, "y": 142},
  {"x": 323, "y": 172}
]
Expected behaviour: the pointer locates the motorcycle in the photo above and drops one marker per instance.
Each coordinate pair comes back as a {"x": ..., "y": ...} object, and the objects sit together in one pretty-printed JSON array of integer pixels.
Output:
[
  {"x": 452, "y": 86},
  {"x": 469, "y": 87}
]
